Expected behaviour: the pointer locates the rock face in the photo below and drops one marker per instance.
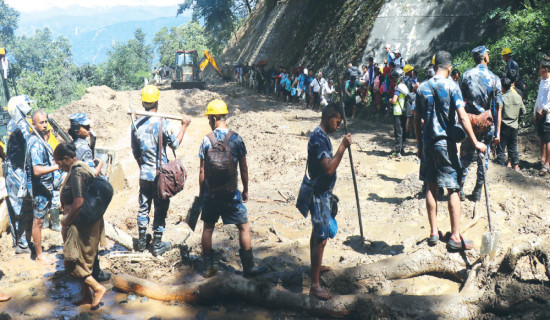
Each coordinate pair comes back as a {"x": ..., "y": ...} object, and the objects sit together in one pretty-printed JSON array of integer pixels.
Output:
[
  {"x": 307, "y": 32},
  {"x": 420, "y": 28}
]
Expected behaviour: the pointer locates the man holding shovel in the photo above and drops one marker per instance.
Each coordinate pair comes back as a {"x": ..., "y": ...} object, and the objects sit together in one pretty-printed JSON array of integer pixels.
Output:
[
  {"x": 439, "y": 102},
  {"x": 145, "y": 136},
  {"x": 322, "y": 165}
]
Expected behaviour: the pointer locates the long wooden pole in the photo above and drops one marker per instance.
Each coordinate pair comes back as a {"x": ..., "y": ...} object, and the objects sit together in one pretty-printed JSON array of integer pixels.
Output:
[
  {"x": 155, "y": 114},
  {"x": 341, "y": 89}
]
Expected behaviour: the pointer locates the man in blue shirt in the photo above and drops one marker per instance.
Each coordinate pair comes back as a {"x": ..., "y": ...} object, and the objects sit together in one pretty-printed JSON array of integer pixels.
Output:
[
  {"x": 322, "y": 165},
  {"x": 482, "y": 91},
  {"x": 41, "y": 169},
  {"x": 438, "y": 102},
  {"x": 145, "y": 143},
  {"x": 229, "y": 207}
]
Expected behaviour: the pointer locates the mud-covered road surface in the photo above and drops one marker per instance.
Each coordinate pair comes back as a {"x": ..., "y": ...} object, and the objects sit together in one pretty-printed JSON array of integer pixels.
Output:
[{"x": 275, "y": 134}]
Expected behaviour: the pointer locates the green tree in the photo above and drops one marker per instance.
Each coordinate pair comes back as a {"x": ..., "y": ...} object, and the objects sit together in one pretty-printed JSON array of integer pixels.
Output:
[
  {"x": 128, "y": 63},
  {"x": 44, "y": 69},
  {"x": 221, "y": 18},
  {"x": 8, "y": 23},
  {"x": 191, "y": 36}
]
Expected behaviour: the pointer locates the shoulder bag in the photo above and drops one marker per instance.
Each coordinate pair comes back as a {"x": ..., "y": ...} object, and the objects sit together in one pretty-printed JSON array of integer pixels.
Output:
[{"x": 171, "y": 177}]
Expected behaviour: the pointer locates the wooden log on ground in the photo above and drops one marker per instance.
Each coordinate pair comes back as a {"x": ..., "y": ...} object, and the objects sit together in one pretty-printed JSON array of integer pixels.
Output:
[{"x": 119, "y": 236}]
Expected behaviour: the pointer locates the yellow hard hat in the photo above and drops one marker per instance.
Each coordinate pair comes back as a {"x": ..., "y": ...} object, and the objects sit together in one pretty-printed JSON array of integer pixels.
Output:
[
  {"x": 408, "y": 68},
  {"x": 433, "y": 60},
  {"x": 150, "y": 94},
  {"x": 216, "y": 107},
  {"x": 506, "y": 51}
]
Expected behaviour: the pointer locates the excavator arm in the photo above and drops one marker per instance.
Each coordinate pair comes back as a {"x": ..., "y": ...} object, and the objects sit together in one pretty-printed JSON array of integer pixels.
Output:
[{"x": 208, "y": 58}]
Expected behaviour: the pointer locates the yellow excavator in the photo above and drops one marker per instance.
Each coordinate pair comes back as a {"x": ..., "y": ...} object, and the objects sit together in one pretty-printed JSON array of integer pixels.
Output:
[{"x": 187, "y": 69}]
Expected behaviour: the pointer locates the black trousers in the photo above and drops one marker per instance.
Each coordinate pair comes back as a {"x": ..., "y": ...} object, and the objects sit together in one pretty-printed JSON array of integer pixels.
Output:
[
  {"x": 508, "y": 139},
  {"x": 399, "y": 128}
]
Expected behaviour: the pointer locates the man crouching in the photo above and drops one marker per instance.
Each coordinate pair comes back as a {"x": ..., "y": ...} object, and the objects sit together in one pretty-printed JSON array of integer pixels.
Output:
[{"x": 220, "y": 153}]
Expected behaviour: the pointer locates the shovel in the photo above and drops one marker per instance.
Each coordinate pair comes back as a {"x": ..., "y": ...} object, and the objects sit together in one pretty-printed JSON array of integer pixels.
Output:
[
  {"x": 489, "y": 241},
  {"x": 194, "y": 213}
]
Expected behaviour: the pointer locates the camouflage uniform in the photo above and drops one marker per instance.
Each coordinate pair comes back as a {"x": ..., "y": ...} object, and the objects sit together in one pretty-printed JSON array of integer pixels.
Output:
[
  {"x": 43, "y": 186},
  {"x": 84, "y": 152},
  {"x": 234, "y": 211},
  {"x": 477, "y": 87},
  {"x": 145, "y": 151},
  {"x": 439, "y": 161},
  {"x": 319, "y": 147},
  {"x": 19, "y": 208}
]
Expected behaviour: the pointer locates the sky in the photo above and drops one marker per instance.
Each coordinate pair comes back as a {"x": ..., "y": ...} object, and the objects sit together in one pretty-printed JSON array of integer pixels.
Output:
[{"x": 40, "y": 5}]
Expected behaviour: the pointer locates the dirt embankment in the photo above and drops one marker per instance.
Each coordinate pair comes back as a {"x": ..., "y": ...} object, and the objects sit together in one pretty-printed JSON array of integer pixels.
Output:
[{"x": 394, "y": 213}]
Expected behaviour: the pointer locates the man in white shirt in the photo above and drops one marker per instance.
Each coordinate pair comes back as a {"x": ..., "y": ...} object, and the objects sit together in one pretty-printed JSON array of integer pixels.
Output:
[
  {"x": 328, "y": 91},
  {"x": 542, "y": 116},
  {"x": 399, "y": 61},
  {"x": 316, "y": 91}
]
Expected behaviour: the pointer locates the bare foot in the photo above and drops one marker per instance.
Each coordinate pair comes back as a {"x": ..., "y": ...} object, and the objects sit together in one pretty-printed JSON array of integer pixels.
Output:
[
  {"x": 98, "y": 295},
  {"x": 319, "y": 292},
  {"x": 44, "y": 260},
  {"x": 86, "y": 297},
  {"x": 325, "y": 268},
  {"x": 4, "y": 297}
]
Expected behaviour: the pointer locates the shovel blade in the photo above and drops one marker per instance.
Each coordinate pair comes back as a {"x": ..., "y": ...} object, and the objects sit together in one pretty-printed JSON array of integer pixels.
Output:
[
  {"x": 489, "y": 243},
  {"x": 194, "y": 213}
]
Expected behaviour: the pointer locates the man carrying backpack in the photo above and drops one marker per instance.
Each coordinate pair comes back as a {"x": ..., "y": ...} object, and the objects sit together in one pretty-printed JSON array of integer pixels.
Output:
[{"x": 220, "y": 153}]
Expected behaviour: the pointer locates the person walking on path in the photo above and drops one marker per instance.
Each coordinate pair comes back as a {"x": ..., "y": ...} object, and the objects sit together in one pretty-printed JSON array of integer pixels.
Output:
[
  {"x": 221, "y": 152},
  {"x": 439, "y": 102},
  {"x": 398, "y": 101},
  {"x": 321, "y": 166},
  {"x": 81, "y": 243},
  {"x": 482, "y": 91},
  {"x": 542, "y": 116},
  {"x": 41, "y": 170},
  {"x": 513, "y": 108},
  {"x": 145, "y": 145}
]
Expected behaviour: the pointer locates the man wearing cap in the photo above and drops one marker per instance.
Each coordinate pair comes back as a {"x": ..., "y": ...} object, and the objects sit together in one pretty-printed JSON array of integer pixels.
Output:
[
  {"x": 510, "y": 63},
  {"x": 19, "y": 203},
  {"x": 42, "y": 170},
  {"x": 145, "y": 134},
  {"x": 230, "y": 207},
  {"x": 482, "y": 91},
  {"x": 79, "y": 130}
]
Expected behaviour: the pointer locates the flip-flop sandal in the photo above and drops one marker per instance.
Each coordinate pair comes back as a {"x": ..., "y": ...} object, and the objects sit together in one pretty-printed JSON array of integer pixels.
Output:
[
  {"x": 434, "y": 238},
  {"x": 544, "y": 171},
  {"x": 453, "y": 245}
]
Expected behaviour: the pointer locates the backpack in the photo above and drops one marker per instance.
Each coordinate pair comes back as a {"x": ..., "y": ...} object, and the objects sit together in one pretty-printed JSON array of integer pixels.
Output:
[
  {"x": 96, "y": 200},
  {"x": 219, "y": 167}
]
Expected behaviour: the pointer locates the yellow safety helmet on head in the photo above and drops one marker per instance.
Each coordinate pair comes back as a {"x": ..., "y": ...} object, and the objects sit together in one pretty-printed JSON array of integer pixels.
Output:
[
  {"x": 433, "y": 60},
  {"x": 506, "y": 51},
  {"x": 216, "y": 107},
  {"x": 408, "y": 68},
  {"x": 150, "y": 94}
]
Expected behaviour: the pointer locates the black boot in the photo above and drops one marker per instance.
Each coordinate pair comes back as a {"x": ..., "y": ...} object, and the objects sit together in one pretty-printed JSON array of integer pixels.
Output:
[
  {"x": 476, "y": 195},
  {"x": 210, "y": 268},
  {"x": 54, "y": 219},
  {"x": 46, "y": 218},
  {"x": 143, "y": 240},
  {"x": 98, "y": 274},
  {"x": 247, "y": 259},
  {"x": 159, "y": 247}
]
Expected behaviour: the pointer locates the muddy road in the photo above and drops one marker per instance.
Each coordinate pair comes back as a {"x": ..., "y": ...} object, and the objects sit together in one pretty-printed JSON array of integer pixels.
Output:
[{"x": 276, "y": 135}]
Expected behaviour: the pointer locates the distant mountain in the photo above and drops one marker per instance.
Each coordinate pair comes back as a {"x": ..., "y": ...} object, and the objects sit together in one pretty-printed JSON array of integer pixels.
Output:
[{"x": 92, "y": 31}]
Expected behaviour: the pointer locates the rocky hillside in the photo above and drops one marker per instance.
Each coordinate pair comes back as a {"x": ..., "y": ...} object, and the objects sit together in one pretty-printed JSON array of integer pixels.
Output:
[{"x": 307, "y": 32}]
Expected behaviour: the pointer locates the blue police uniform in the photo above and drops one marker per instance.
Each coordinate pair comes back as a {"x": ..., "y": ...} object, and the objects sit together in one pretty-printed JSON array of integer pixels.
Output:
[
  {"x": 41, "y": 186},
  {"x": 83, "y": 151},
  {"x": 478, "y": 85},
  {"x": 19, "y": 205},
  {"x": 145, "y": 150}
]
